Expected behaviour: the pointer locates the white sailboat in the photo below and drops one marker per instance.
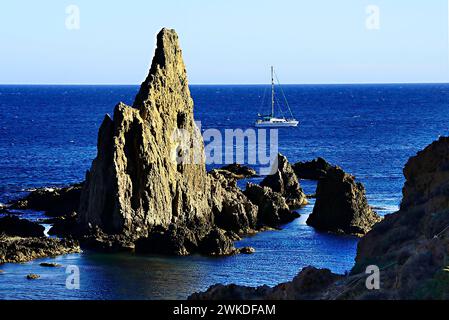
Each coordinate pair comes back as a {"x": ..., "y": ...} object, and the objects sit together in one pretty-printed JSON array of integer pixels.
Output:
[{"x": 272, "y": 121}]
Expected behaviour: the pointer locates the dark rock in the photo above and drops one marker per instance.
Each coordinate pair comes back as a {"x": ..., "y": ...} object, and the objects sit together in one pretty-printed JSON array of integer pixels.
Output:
[
  {"x": 240, "y": 171},
  {"x": 231, "y": 292},
  {"x": 311, "y": 170},
  {"x": 16, "y": 249},
  {"x": 272, "y": 208},
  {"x": 413, "y": 243},
  {"x": 217, "y": 243},
  {"x": 410, "y": 247},
  {"x": 95, "y": 239},
  {"x": 33, "y": 276},
  {"x": 247, "y": 250},
  {"x": 175, "y": 240},
  {"x": 341, "y": 205},
  {"x": 49, "y": 264},
  {"x": 309, "y": 284},
  {"x": 231, "y": 209},
  {"x": 13, "y": 226},
  {"x": 65, "y": 226},
  {"x": 285, "y": 182},
  {"x": 54, "y": 201}
]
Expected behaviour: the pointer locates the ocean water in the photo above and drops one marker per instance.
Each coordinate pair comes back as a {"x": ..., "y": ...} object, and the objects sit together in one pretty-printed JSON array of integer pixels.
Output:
[{"x": 48, "y": 138}]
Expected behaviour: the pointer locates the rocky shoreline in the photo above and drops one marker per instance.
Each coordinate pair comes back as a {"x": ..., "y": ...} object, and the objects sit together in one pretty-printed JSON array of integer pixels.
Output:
[
  {"x": 410, "y": 247},
  {"x": 139, "y": 197}
]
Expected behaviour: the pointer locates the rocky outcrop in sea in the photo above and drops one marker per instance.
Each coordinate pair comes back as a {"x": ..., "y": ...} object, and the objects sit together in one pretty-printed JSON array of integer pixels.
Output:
[
  {"x": 312, "y": 170},
  {"x": 54, "y": 202},
  {"x": 22, "y": 240},
  {"x": 341, "y": 205},
  {"x": 410, "y": 248},
  {"x": 285, "y": 182},
  {"x": 148, "y": 188}
]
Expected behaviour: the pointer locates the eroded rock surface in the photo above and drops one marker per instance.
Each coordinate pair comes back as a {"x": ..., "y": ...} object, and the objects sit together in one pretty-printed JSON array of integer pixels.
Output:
[
  {"x": 232, "y": 210},
  {"x": 341, "y": 205},
  {"x": 272, "y": 207},
  {"x": 148, "y": 184},
  {"x": 410, "y": 248},
  {"x": 311, "y": 170},
  {"x": 412, "y": 245},
  {"x": 136, "y": 183},
  {"x": 285, "y": 182},
  {"x": 17, "y": 249}
]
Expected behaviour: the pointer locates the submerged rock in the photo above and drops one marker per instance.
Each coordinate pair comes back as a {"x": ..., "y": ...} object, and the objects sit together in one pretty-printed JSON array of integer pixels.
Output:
[
  {"x": 272, "y": 207},
  {"x": 14, "y": 226},
  {"x": 312, "y": 170},
  {"x": 54, "y": 201},
  {"x": 285, "y": 182},
  {"x": 16, "y": 249},
  {"x": 33, "y": 276},
  {"x": 341, "y": 205},
  {"x": 49, "y": 264}
]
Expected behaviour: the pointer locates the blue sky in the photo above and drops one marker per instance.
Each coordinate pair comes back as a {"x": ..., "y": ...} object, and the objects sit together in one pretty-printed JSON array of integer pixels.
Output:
[{"x": 227, "y": 41}]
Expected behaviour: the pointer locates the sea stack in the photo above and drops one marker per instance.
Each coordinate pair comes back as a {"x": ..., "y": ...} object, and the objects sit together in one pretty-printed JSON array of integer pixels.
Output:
[
  {"x": 148, "y": 185},
  {"x": 135, "y": 182},
  {"x": 341, "y": 205},
  {"x": 285, "y": 182}
]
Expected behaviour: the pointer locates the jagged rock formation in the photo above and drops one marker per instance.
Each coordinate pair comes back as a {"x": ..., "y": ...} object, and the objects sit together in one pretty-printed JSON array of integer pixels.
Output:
[
  {"x": 341, "y": 205},
  {"x": 272, "y": 207},
  {"x": 285, "y": 182},
  {"x": 413, "y": 243},
  {"x": 231, "y": 209},
  {"x": 148, "y": 184},
  {"x": 311, "y": 170},
  {"x": 54, "y": 201},
  {"x": 136, "y": 182},
  {"x": 410, "y": 247}
]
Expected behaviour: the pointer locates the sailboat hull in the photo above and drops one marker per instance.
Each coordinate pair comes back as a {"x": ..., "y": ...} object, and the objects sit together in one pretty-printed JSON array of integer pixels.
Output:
[{"x": 276, "y": 124}]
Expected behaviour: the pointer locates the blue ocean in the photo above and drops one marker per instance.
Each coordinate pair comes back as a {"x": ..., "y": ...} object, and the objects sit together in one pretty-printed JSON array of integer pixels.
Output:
[{"x": 48, "y": 137}]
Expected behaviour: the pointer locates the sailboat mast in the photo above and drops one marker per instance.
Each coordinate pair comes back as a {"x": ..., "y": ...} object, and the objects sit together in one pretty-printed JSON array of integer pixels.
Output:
[{"x": 272, "y": 91}]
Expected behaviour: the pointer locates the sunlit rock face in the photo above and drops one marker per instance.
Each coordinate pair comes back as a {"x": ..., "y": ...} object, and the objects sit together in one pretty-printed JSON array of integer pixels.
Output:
[
  {"x": 135, "y": 182},
  {"x": 148, "y": 187}
]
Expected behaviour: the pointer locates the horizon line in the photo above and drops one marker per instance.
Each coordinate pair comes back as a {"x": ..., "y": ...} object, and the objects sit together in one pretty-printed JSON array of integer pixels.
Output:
[{"x": 224, "y": 84}]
